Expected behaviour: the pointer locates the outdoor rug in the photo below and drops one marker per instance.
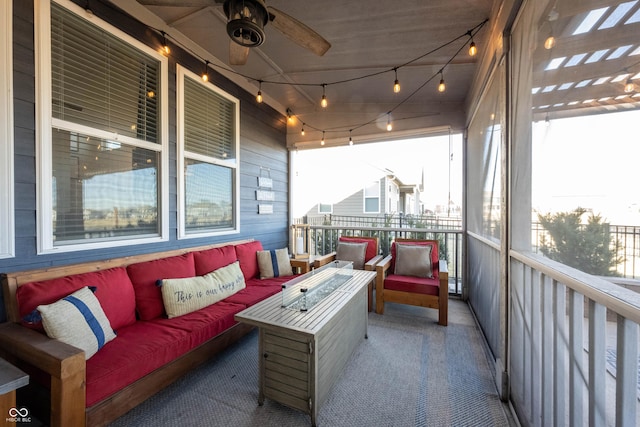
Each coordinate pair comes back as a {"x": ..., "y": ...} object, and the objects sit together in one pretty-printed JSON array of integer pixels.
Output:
[{"x": 409, "y": 372}]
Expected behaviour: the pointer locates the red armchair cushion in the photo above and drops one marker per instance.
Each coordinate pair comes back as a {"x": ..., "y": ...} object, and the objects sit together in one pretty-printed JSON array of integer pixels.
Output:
[
  {"x": 246, "y": 253},
  {"x": 415, "y": 285},
  {"x": 213, "y": 259},
  {"x": 372, "y": 247},
  {"x": 144, "y": 276},
  {"x": 113, "y": 290}
]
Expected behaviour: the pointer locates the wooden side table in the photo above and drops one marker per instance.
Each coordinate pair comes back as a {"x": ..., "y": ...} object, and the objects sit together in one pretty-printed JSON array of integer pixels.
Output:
[
  {"x": 11, "y": 378},
  {"x": 302, "y": 265}
]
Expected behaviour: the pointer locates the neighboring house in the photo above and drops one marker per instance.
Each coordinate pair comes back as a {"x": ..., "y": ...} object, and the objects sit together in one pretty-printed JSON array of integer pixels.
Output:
[{"x": 386, "y": 195}]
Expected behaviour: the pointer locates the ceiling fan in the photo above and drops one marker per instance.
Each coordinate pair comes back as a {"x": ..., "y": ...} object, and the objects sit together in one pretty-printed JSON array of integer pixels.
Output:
[{"x": 246, "y": 20}]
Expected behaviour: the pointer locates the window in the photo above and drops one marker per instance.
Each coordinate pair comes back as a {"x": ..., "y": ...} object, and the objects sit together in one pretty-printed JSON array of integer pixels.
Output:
[
  {"x": 6, "y": 131},
  {"x": 325, "y": 208},
  {"x": 208, "y": 129},
  {"x": 102, "y": 135},
  {"x": 372, "y": 198}
]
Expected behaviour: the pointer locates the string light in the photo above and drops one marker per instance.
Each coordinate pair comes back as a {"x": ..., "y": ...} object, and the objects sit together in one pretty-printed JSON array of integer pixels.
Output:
[
  {"x": 396, "y": 84},
  {"x": 473, "y": 50},
  {"x": 165, "y": 46},
  {"x": 550, "y": 42},
  {"x": 629, "y": 86},
  {"x": 291, "y": 117},
  {"x": 259, "y": 95},
  {"x": 441, "y": 87},
  {"x": 205, "y": 75},
  {"x": 324, "y": 102}
]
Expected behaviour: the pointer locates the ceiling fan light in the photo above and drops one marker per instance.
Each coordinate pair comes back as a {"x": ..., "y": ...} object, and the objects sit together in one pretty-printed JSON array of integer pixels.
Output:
[{"x": 247, "y": 19}]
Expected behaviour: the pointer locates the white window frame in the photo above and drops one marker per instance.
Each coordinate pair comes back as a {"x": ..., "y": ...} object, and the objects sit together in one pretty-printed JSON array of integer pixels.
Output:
[
  {"x": 45, "y": 122},
  {"x": 364, "y": 198},
  {"x": 234, "y": 164},
  {"x": 7, "y": 216}
]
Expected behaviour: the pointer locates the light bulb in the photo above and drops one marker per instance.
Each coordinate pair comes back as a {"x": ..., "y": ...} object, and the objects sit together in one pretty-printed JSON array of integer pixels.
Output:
[
  {"x": 629, "y": 86},
  {"x": 473, "y": 49},
  {"x": 389, "y": 126},
  {"x": 441, "y": 86},
  {"x": 396, "y": 83},
  {"x": 350, "y": 140},
  {"x": 322, "y": 141},
  {"x": 165, "y": 46},
  {"x": 205, "y": 76},
  {"x": 259, "y": 95},
  {"x": 324, "y": 101},
  {"x": 550, "y": 42},
  {"x": 302, "y": 131}
]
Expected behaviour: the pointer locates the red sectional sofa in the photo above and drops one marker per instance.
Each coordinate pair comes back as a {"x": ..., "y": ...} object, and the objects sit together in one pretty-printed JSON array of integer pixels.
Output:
[{"x": 150, "y": 350}]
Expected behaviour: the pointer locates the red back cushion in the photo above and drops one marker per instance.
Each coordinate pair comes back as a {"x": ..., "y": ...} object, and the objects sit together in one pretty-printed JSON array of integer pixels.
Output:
[
  {"x": 114, "y": 291},
  {"x": 246, "y": 253},
  {"x": 372, "y": 245},
  {"x": 144, "y": 276},
  {"x": 435, "y": 256},
  {"x": 213, "y": 259}
]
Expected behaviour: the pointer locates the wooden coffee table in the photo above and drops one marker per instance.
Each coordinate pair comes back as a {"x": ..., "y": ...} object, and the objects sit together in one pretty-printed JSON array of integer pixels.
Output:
[{"x": 302, "y": 353}]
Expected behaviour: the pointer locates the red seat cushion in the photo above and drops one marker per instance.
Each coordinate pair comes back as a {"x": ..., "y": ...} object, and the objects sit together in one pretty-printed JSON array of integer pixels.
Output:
[
  {"x": 145, "y": 346},
  {"x": 213, "y": 259},
  {"x": 114, "y": 291},
  {"x": 372, "y": 246},
  {"x": 254, "y": 293},
  {"x": 246, "y": 253},
  {"x": 144, "y": 277},
  {"x": 416, "y": 285}
]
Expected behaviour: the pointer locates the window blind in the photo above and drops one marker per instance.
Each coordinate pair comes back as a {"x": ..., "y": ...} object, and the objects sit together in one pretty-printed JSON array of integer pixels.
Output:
[
  {"x": 100, "y": 81},
  {"x": 209, "y": 122}
]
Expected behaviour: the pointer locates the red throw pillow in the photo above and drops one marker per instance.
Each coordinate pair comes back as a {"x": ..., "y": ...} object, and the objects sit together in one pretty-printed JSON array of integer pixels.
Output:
[
  {"x": 213, "y": 259},
  {"x": 247, "y": 255},
  {"x": 144, "y": 276}
]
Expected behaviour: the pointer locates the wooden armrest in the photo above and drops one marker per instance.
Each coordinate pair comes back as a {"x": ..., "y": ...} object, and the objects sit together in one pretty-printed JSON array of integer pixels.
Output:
[
  {"x": 383, "y": 265},
  {"x": 65, "y": 364},
  {"x": 371, "y": 264},
  {"x": 319, "y": 261}
]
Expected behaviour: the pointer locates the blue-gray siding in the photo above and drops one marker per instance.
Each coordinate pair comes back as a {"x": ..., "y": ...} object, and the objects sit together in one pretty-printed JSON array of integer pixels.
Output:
[{"x": 262, "y": 145}]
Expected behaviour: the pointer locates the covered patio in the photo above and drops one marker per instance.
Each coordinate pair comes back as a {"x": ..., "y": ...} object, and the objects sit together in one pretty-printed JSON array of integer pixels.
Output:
[{"x": 106, "y": 153}]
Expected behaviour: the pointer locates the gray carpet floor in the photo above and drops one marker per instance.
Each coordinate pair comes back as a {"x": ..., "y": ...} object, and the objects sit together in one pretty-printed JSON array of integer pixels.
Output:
[{"x": 409, "y": 372}]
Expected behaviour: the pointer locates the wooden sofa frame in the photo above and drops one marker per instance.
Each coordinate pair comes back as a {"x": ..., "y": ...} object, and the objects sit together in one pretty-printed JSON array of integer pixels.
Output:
[{"x": 65, "y": 366}]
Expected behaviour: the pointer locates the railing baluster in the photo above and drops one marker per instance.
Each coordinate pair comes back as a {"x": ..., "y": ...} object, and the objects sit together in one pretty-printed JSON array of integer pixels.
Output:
[
  {"x": 560, "y": 343},
  {"x": 547, "y": 353},
  {"x": 576, "y": 365},
  {"x": 626, "y": 372},
  {"x": 597, "y": 364}
]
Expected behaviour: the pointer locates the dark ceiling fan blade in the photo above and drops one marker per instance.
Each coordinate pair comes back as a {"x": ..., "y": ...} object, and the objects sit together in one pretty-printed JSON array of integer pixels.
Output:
[
  {"x": 237, "y": 54},
  {"x": 297, "y": 32},
  {"x": 180, "y": 3}
]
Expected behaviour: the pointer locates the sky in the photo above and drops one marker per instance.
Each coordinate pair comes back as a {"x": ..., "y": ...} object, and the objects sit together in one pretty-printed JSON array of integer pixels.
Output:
[
  {"x": 329, "y": 174},
  {"x": 591, "y": 162}
]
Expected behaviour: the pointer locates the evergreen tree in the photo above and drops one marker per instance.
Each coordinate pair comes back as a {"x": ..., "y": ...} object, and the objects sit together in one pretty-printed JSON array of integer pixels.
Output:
[{"x": 586, "y": 247}]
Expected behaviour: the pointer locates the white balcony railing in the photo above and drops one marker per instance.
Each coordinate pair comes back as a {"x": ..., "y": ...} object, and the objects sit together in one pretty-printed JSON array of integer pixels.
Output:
[{"x": 573, "y": 346}]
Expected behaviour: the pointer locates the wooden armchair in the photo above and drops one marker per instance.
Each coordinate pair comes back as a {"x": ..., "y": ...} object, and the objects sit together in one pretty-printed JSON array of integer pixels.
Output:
[
  {"x": 371, "y": 257},
  {"x": 411, "y": 275}
]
